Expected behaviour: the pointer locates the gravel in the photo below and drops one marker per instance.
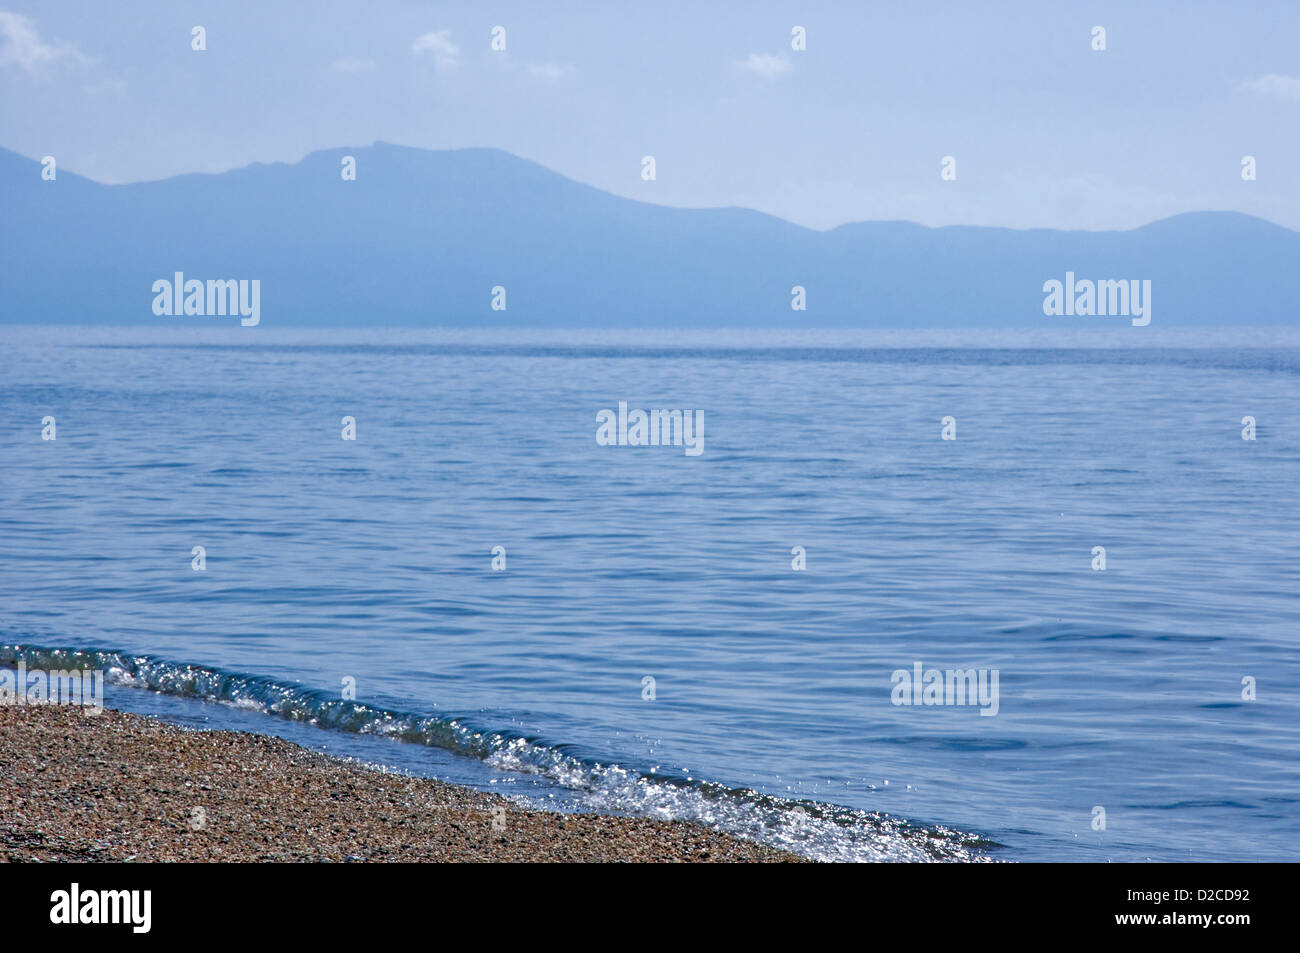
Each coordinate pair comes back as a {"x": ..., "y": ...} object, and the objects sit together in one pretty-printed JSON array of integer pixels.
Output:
[{"x": 121, "y": 787}]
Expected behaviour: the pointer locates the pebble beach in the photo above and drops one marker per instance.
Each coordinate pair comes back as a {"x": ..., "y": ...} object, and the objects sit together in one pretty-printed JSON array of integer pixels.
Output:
[{"x": 119, "y": 787}]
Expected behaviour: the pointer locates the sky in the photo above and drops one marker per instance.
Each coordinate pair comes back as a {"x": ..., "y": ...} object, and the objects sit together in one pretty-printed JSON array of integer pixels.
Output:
[{"x": 1045, "y": 130}]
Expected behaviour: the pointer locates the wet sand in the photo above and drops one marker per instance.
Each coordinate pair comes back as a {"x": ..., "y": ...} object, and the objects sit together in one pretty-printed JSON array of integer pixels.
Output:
[{"x": 121, "y": 787}]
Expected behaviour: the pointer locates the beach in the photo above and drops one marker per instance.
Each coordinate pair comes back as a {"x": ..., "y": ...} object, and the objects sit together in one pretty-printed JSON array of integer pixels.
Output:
[
  {"x": 719, "y": 638},
  {"x": 120, "y": 787}
]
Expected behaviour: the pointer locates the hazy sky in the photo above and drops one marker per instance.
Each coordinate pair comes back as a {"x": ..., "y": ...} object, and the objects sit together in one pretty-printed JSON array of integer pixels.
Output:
[{"x": 1045, "y": 130}]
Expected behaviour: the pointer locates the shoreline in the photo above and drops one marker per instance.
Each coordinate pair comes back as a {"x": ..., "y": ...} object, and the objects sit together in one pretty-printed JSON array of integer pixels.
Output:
[{"x": 117, "y": 786}]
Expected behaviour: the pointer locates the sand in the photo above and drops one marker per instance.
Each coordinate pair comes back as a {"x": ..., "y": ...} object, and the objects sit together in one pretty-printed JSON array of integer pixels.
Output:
[{"x": 121, "y": 787}]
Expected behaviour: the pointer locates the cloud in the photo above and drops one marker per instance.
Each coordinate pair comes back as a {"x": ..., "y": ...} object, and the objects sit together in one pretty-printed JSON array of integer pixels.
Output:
[
  {"x": 1274, "y": 84},
  {"x": 548, "y": 71},
  {"x": 439, "y": 45},
  {"x": 21, "y": 45},
  {"x": 353, "y": 64},
  {"x": 766, "y": 65}
]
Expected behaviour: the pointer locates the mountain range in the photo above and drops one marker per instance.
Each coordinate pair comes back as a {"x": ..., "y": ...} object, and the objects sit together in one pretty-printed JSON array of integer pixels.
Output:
[{"x": 423, "y": 237}]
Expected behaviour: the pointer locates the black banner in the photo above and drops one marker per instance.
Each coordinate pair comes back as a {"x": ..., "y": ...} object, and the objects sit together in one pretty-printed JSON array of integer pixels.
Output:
[{"x": 974, "y": 903}]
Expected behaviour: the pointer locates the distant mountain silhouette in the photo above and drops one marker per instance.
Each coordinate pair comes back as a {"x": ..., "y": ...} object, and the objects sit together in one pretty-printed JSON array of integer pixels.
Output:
[{"x": 421, "y": 238}]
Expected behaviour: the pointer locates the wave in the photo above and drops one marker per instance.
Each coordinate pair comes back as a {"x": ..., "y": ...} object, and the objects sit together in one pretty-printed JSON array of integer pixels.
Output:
[{"x": 814, "y": 829}]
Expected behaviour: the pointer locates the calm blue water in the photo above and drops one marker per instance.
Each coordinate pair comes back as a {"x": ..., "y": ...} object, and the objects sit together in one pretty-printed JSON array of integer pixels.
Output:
[{"x": 371, "y": 559}]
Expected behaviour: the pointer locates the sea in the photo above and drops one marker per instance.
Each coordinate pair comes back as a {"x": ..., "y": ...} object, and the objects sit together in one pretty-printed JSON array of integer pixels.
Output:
[{"x": 1099, "y": 526}]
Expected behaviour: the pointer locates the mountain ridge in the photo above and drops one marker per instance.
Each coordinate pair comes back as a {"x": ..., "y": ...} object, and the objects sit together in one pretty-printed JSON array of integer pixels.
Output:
[{"x": 421, "y": 237}]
